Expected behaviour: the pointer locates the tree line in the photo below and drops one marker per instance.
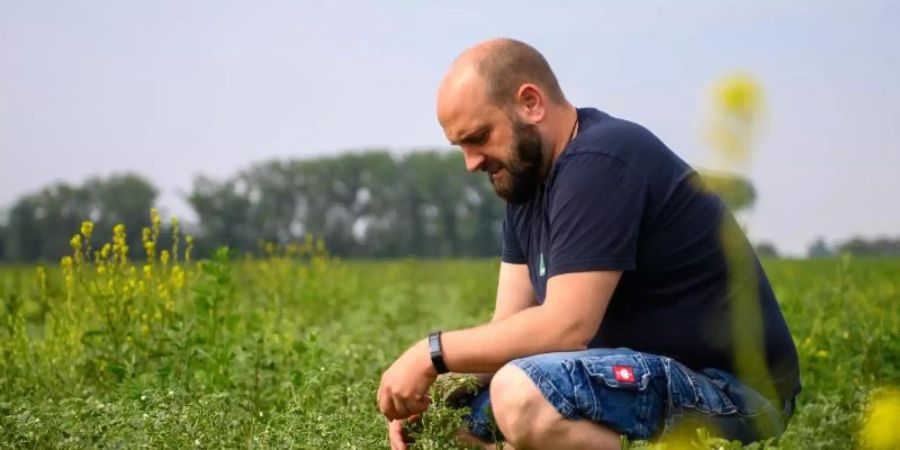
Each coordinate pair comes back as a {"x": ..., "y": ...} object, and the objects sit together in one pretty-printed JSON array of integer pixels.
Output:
[{"x": 371, "y": 204}]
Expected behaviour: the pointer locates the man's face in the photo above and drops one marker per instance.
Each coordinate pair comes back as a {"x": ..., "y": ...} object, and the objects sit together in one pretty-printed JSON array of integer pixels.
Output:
[
  {"x": 516, "y": 179},
  {"x": 494, "y": 141}
]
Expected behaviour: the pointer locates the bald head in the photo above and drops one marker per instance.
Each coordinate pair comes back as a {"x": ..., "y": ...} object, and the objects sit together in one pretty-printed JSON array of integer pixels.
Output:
[
  {"x": 502, "y": 105},
  {"x": 503, "y": 65}
]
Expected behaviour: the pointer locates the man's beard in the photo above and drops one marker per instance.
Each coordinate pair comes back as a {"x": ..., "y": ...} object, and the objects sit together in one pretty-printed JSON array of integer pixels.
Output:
[{"x": 525, "y": 166}]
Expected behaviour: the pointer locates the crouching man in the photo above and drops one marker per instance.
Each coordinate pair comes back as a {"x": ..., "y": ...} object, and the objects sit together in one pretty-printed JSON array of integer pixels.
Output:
[{"x": 629, "y": 302}]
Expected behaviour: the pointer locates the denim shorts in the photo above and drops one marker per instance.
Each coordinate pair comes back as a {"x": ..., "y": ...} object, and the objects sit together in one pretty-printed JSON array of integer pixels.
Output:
[{"x": 641, "y": 396}]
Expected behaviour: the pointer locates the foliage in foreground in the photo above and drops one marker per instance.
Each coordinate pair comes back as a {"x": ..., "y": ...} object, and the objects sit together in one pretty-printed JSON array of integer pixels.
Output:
[{"x": 287, "y": 350}]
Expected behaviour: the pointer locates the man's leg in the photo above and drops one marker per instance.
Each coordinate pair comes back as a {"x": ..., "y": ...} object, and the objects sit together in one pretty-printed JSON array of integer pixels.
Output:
[
  {"x": 466, "y": 437},
  {"x": 584, "y": 399},
  {"x": 529, "y": 421}
]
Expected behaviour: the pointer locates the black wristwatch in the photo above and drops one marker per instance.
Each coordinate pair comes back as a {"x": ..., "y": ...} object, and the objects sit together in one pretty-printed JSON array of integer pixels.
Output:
[{"x": 437, "y": 354}]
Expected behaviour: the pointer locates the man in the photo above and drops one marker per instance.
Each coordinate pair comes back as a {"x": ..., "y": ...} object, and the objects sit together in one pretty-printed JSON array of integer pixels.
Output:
[{"x": 628, "y": 302}]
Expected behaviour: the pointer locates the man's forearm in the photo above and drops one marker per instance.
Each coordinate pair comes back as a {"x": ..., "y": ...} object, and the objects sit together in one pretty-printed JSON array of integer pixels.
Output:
[{"x": 488, "y": 347}]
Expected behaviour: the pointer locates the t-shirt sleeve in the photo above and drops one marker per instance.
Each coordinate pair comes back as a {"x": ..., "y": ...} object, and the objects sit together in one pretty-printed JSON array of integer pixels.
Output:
[
  {"x": 596, "y": 208},
  {"x": 512, "y": 250}
]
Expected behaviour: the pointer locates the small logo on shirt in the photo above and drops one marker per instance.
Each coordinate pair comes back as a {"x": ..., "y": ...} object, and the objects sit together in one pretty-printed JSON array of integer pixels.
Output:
[
  {"x": 624, "y": 373},
  {"x": 542, "y": 270}
]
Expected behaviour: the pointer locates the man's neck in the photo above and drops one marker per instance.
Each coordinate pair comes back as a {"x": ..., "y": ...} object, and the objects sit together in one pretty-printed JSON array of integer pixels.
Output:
[{"x": 567, "y": 129}]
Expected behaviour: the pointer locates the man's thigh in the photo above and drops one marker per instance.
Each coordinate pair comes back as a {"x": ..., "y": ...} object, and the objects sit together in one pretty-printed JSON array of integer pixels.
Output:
[{"x": 639, "y": 395}]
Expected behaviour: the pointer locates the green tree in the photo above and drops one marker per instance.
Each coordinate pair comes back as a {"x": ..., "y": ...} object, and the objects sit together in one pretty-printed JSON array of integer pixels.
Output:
[
  {"x": 368, "y": 204},
  {"x": 735, "y": 191},
  {"x": 766, "y": 250},
  {"x": 873, "y": 246},
  {"x": 3, "y": 256},
  {"x": 819, "y": 249},
  {"x": 41, "y": 224}
]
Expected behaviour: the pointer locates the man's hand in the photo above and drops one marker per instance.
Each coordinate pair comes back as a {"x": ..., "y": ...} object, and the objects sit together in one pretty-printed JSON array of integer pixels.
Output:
[
  {"x": 398, "y": 439},
  {"x": 404, "y": 386}
]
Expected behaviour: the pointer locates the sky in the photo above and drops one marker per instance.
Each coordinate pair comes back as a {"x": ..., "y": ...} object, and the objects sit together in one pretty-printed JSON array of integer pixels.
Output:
[{"x": 174, "y": 89}]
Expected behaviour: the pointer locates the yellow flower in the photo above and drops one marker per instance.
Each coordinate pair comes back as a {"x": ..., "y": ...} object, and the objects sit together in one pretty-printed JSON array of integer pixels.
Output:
[
  {"x": 879, "y": 430},
  {"x": 155, "y": 221},
  {"x": 739, "y": 93},
  {"x": 737, "y": 109},
  {"x": 66, "y": 262},
  {"x": 150, "y": 249},
  {"x": 822, "y": 354},
  {"x": 148, "y": 270},
  {"x": 164, "y": 258},
  {"x": 87, "y": 227},
  {"x": 76, "y": 242},
  {"x": 177, "y": 277}
]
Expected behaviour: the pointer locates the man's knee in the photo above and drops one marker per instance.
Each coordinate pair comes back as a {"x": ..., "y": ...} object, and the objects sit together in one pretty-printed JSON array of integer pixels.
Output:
[{"x": 519, "y": 408}]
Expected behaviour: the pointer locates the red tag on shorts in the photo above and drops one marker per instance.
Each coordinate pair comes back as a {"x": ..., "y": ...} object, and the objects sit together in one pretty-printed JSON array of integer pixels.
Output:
[{"x": 624, "y": 373}]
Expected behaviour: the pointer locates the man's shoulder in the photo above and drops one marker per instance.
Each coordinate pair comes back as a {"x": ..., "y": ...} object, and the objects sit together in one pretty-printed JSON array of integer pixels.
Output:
[
  {"x": 600, "y": 132},
  {"x": 628, "y": 143},
  {"x": 604, "y": 145}
]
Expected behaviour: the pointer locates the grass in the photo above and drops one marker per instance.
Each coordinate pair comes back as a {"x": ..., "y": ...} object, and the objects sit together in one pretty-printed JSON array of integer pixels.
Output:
[{"x": 287, "y": 350}]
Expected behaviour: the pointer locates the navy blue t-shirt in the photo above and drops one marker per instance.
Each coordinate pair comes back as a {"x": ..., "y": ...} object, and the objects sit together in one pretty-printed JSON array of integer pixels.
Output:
[{"x": 618, "y": 199}]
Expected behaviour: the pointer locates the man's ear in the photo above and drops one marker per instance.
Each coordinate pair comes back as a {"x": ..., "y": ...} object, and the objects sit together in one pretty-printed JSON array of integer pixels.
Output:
[{"x": 530, "y": 102}]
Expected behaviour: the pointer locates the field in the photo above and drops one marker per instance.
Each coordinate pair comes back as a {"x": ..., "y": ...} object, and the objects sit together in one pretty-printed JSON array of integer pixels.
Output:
[{"x": 287, "y": 350}]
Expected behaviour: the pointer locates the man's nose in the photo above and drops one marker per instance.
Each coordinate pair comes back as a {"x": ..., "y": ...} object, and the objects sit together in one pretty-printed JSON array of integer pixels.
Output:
[{"x": 474, "y": 160}]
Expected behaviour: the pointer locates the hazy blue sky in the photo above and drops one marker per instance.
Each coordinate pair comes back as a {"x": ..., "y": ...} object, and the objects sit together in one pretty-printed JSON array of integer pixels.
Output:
[{"x": 173, "y": 89}]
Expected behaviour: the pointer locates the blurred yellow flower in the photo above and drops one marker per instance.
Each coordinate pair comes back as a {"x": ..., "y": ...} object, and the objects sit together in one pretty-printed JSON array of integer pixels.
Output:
[
  {"x": 879, "y": 431},
  {"x": 737, "y": 108},
  {"x": 738, "y": 93},
  {"x": 177, "y": 277},
  {"x": 87, "y": 227},
  {"x": 150, "y": 249},
  {"x": 155, "y": 220},
  {"x": 76, "y": 242}
]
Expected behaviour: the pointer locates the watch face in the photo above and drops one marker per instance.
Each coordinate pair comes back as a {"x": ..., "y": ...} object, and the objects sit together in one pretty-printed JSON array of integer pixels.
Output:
[
  {"x": 437, "y": 356},
  {"x": 434, "y": 344}
]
